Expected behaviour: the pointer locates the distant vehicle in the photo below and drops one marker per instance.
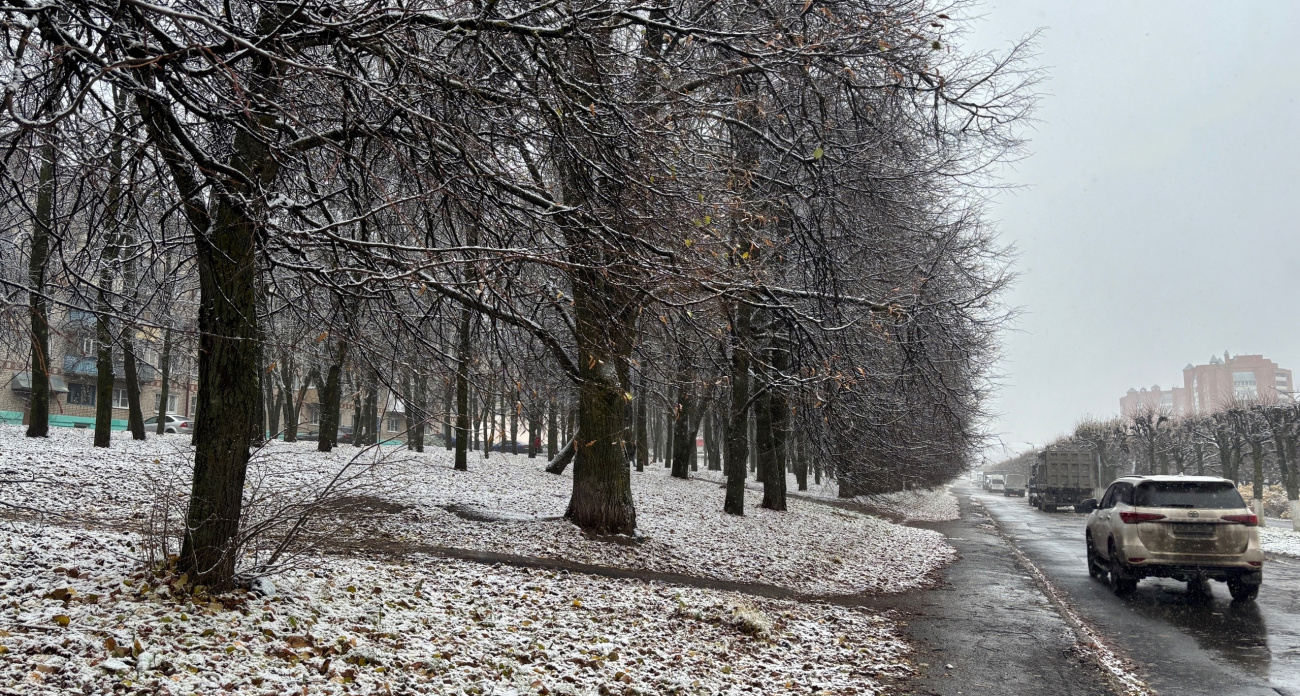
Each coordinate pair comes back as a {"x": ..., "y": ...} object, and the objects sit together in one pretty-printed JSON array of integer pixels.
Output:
[
  {"x": 988, "y": 478},
  {"x": 172, "y": 424},
  {"x": 1014, "y": 484},
  {"x": 1063, "y": 477},
  {"x": 312, "y": 434},
  {"x": 1189, "y": 528},
  {"x": 997, "y": 483}
]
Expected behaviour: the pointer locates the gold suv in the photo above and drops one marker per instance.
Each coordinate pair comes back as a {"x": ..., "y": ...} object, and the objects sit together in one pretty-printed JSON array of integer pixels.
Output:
[{"x": 1189, "y": 528}]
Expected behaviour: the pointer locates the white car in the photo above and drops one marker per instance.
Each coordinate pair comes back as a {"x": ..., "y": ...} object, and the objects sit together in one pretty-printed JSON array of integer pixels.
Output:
[
  {"x": 173, "y": 424},
  {"x": 1189, "y": 528}
]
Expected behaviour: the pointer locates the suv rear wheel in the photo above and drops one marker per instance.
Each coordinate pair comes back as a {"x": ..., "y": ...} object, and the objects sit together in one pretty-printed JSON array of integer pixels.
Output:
[
  {"x": 1121, "y": 583},
  {"x": 1242, "y": 591}
]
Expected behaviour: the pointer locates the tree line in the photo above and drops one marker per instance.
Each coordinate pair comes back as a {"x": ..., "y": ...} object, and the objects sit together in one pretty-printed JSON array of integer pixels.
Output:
[
  {"x": 625, "y": 222},
  {"x": 1248, "y": 441}
]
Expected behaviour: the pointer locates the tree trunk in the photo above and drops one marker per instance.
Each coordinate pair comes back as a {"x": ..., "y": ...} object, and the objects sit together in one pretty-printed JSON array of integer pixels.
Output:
[
  {"x": 274, "y": 400},
  {"x": 165, "y": 375},
  {"x": 135, "y": 414},
  {"x": 602, "y": 483},
  {"x": 104, "y": 358},
  {"x": 561, "y": 461},
  {"x": 642, "y": 446},
  {"x": 1257, "y": 458},
  {"x": 462, "y": 391},
  {"x": 38, "y": 420},
  {"x": 737, "y": 434},
  {"x": 448, "y": 393},
  {"x": 800, "y": 463},
  {"x": 288, "y": 403},
  {"x": 550, "y": 429},
  {"x": 331, "y": 409},
  {"x": 421, "y": 409},
  {"x": 683, "y": 437},
  {"x": 775, "y": 483},
  {"x": 514, "y": 425},
  {"x": 670, "y": 441}
]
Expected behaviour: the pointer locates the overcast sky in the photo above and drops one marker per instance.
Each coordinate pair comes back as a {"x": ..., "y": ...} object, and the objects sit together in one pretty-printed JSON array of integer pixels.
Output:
[{"x": 1160, "y": 203}]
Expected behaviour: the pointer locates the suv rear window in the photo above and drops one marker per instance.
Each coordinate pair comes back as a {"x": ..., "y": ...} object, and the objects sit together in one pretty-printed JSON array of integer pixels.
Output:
[{"x": 1188, "y": 494}]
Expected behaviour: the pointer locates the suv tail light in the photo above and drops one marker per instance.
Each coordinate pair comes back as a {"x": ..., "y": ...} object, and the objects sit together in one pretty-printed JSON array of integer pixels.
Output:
[
  {"x": 1136, "y": 517},
  {"x": 1250, "y": 520}
]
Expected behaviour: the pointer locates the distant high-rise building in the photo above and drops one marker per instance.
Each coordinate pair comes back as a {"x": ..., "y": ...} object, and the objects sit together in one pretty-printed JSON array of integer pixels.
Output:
[
  {"x": 1214, "y": 386},
  {"x": 1171, "y": 401}
]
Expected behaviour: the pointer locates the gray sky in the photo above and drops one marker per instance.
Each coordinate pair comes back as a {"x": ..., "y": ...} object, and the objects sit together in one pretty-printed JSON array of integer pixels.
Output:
[{"x": 1157, "y": 223}]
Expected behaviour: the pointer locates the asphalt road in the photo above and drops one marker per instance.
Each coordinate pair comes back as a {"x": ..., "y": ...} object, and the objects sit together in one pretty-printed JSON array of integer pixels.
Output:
[
  {"x": 1182, "y": 643},
  {"x": 987, "y": 629}
]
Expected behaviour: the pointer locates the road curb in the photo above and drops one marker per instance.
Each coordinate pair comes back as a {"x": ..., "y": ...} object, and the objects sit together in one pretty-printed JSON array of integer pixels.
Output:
[{"x": 1121, "y": 678}]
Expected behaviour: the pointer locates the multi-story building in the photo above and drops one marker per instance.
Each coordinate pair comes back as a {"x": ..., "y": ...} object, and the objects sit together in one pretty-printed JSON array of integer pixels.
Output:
[
  {"x": 1172, "y": 401},
  {"x": 73, "y": 376},
  {"x": 1233, "y": 378},
  {"x": 1215, "y": 385}
]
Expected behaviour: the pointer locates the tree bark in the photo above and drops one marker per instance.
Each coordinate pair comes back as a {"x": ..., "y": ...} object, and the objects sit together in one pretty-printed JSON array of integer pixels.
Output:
[
  {"x": 38, "y": 419},
  {"x": 551, "y": 429},
  {"x": 683, "y": 437},
  {"x": 737, "y": 435},
  {"x": 462, "y": 391},
  {"x": 602, "y": 484},
  {"x": 164, "y": 374},
  {"x": 331, "y": 409},
  {"x": 642, "y": 445}
]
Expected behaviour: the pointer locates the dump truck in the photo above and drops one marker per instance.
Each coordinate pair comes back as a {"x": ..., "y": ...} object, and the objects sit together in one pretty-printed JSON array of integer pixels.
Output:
[
  {"x": 1014, "y": 484},
  {"x": 1063, "y": 477}
]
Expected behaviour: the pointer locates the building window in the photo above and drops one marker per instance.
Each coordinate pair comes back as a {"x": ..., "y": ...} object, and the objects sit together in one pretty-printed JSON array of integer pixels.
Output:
[
  {"x": 172, "y": 401},
  {"x": 396, "y": 424},
  {"x": 81, "y": 394},
  {"x": 89, "y": 346},
  {"x": 1282, "y": 379},
  {"x": 120, "y": 399},
  {"x": 313, "y": 413},
  {"x": 1244, "y": 386},
  {"x": 194, "y": 405}
]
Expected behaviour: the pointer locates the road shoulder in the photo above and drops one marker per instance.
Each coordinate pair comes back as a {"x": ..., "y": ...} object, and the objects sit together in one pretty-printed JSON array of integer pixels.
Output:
[{"x": 988, "y": 628}]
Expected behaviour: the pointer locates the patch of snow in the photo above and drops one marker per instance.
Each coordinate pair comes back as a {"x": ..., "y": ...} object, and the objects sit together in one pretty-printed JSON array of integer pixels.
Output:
[
  {"x": 77, "y": 612},
  {"x": 1280, "y": 541},
  {"x": 404, "y": 500}
]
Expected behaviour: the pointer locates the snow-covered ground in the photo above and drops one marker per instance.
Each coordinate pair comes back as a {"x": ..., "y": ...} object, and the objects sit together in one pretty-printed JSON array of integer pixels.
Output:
[
  {"x": 79, "y": 618},
  {"x": 515, "y": 506},
  {"x": 933, "y": 505},
  {"x": 1280, "y": 541}
]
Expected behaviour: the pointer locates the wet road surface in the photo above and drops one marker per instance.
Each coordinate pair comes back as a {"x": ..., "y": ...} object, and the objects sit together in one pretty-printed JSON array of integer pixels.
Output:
[
  {"x": 988, "y": 629},
  {"x": 1182, "y": 643}
]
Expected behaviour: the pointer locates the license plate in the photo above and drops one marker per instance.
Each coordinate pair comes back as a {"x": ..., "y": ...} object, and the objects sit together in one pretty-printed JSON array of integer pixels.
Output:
[{"x": 1194, "y": 531}]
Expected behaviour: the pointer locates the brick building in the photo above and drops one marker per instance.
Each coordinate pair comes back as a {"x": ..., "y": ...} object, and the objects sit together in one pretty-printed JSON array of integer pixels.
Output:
[
  {"x": 1171, "y": 401},
  {"x": 1214, "y": 385}
]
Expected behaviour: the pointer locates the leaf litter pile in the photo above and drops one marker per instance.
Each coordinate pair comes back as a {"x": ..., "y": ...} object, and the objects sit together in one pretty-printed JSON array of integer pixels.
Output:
[{"x": 79, "y": 617}]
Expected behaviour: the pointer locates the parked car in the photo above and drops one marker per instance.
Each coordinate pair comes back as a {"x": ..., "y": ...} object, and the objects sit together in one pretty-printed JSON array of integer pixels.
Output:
[
  {"x": 311, "y": 433},
  {"x": 173, "y": 424},
  {"x": 1189, "y": 528},
  {"x": 997, "y": 483}
]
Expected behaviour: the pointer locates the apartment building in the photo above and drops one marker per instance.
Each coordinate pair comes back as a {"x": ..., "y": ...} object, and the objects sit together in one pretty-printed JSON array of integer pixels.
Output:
[{"x": 1214, "y": 385}]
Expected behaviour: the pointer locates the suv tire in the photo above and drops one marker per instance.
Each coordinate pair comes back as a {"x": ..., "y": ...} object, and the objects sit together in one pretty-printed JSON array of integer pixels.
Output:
[
  {"x": 1242, "y": 591},
  {"x": 1095, "y": 567},
  {"x": 1119, "y": 580}
]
